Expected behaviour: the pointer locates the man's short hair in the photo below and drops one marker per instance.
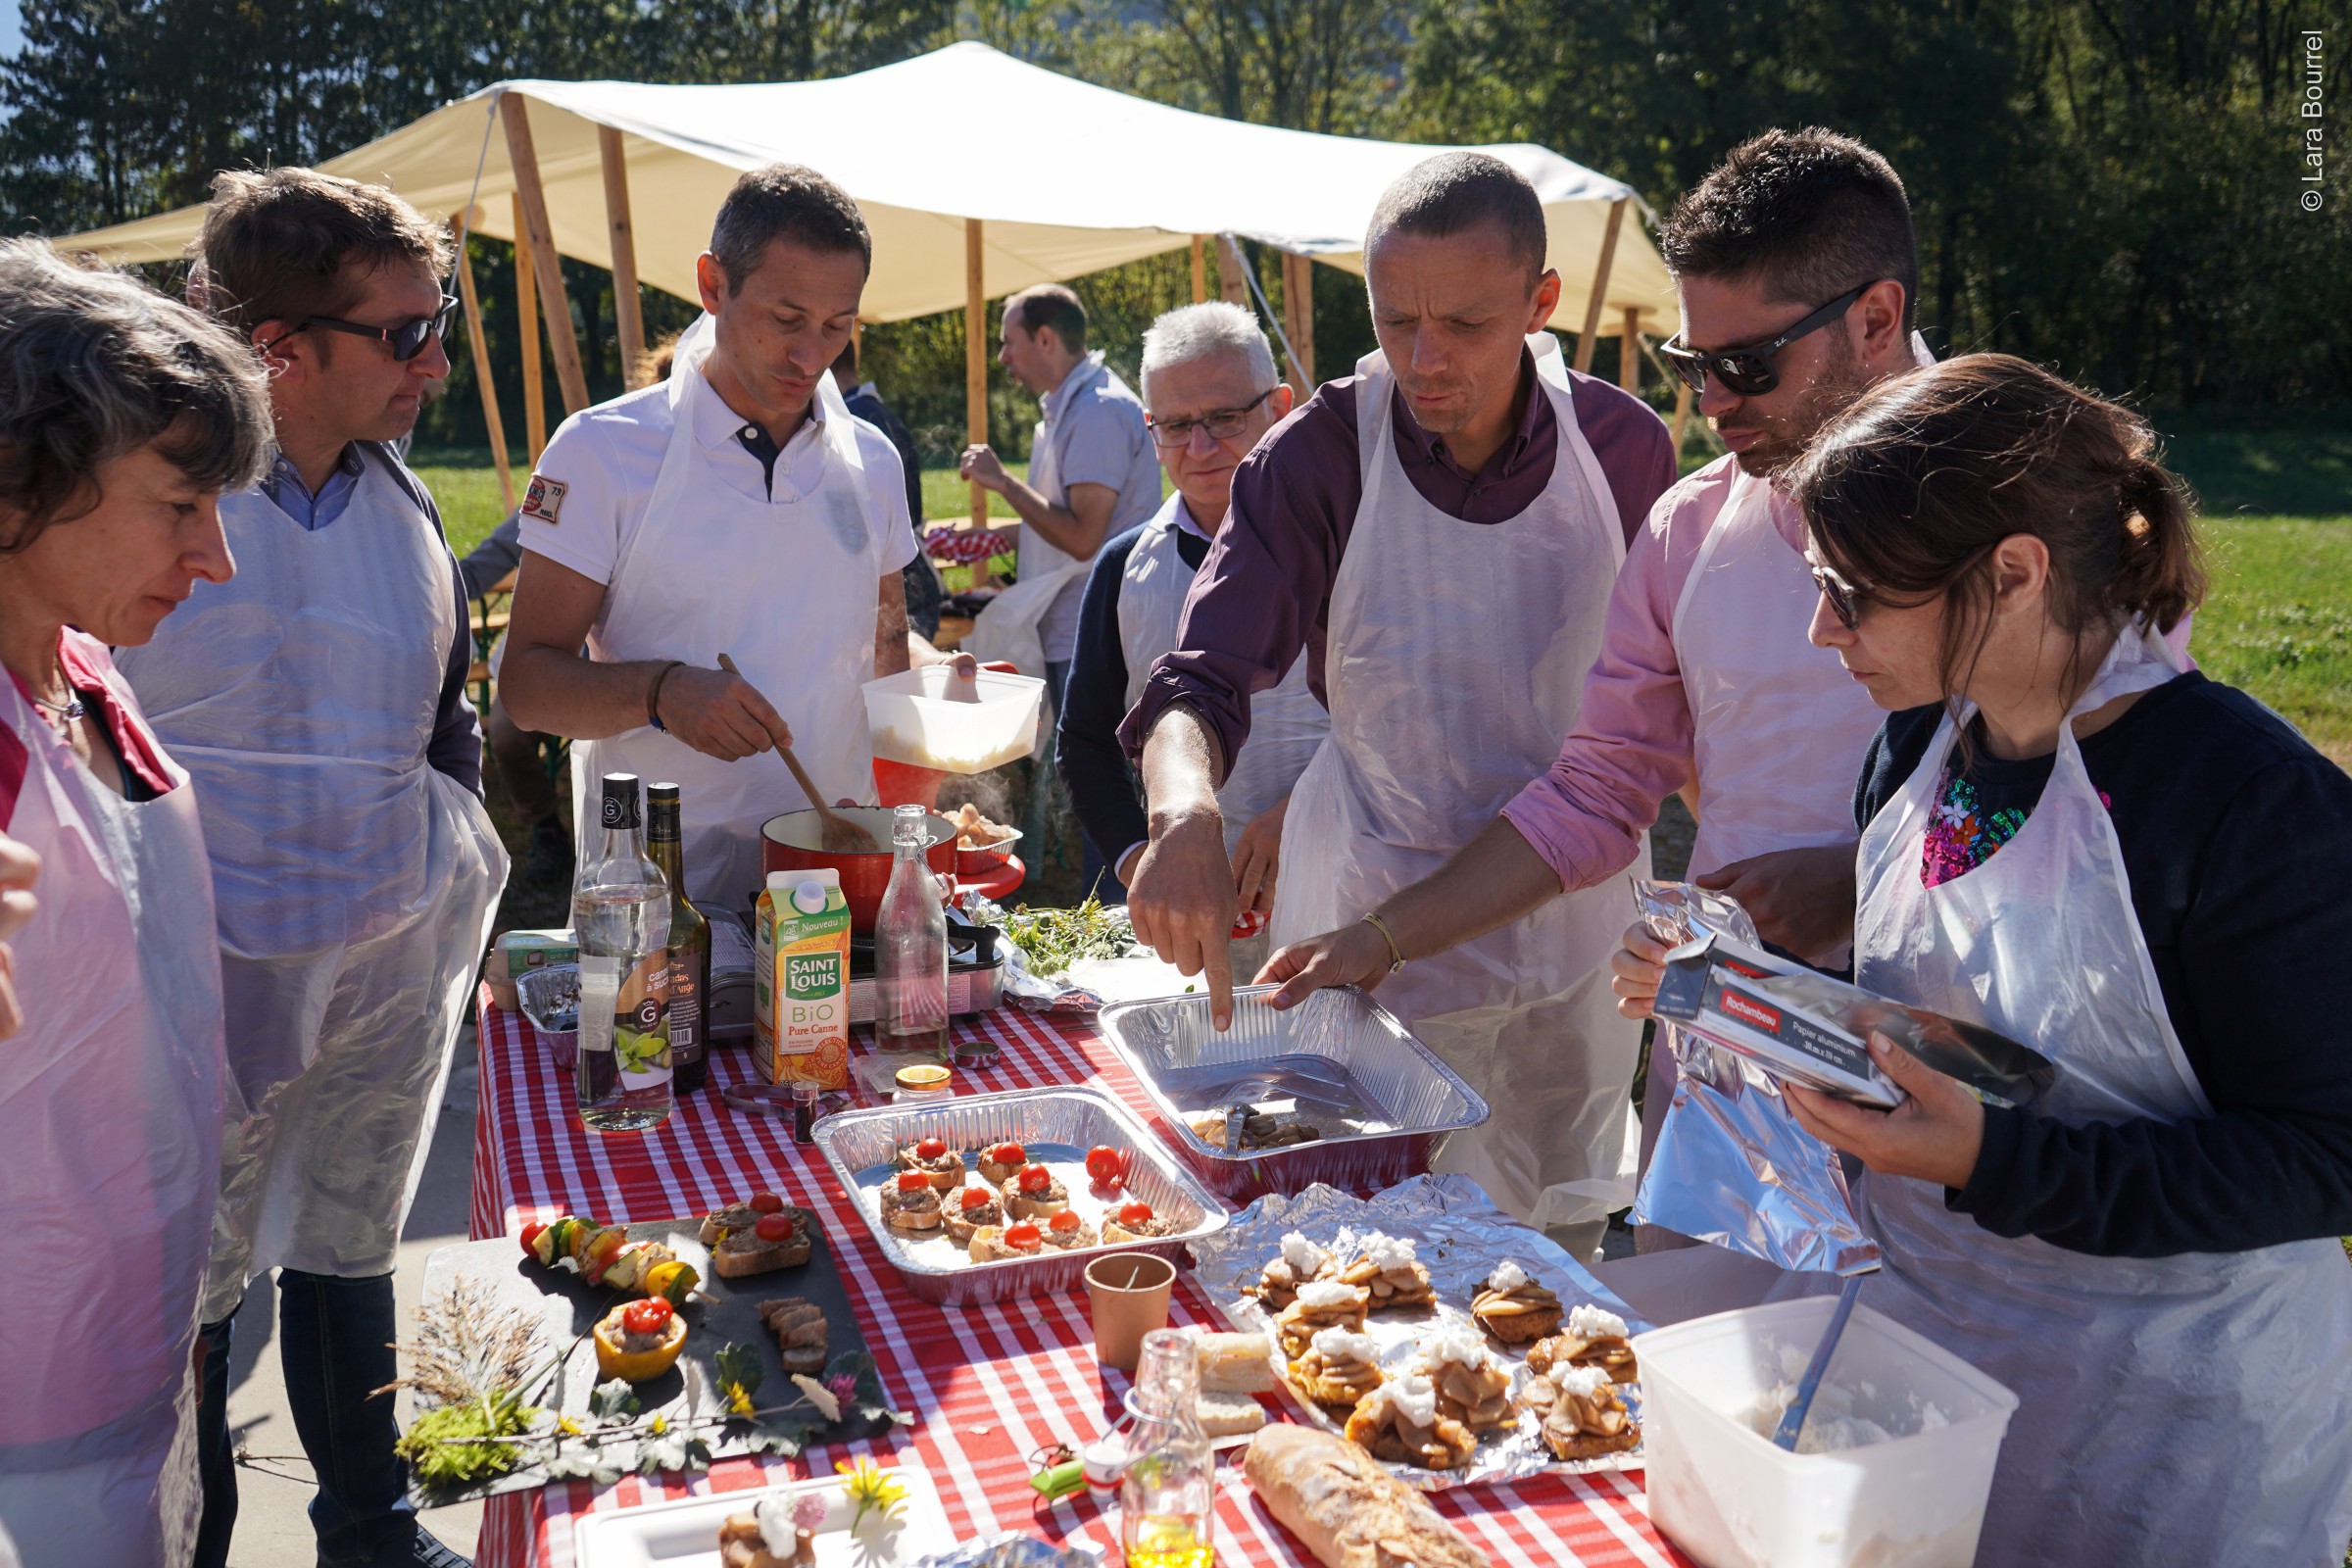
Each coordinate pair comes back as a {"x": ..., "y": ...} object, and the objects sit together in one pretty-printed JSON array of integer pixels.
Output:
[
  {"x": 1195, "y": 331},
  {"x": 95, "y": 366},
  {"x": 1455, "y": 192},
  {"x": 1049, "y": 305},
  {"x": 1809, "y": 214},
  {"x": 785, "y": 201},
  {"x": 277, "y": 245}
]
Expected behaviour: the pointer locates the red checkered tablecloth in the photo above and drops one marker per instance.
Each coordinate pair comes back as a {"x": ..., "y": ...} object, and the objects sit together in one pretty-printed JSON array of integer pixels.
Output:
[{"x": 987, "y": 1385}]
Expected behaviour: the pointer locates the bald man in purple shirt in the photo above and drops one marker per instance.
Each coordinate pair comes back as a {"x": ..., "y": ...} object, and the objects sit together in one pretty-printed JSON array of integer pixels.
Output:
[{"x": 1438, "y": 535}]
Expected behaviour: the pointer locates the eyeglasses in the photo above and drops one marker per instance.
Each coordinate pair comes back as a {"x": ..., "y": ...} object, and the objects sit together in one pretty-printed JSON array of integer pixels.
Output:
[
  {"x": 1748, "y": 371},
  {"x": 1222, "y": 425},
  {"x": 406, "y": 341},
  {"x": 1845, "y": 597}
]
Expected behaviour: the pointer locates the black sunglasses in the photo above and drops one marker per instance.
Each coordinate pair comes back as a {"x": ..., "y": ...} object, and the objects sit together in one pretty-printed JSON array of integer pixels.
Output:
[
  {"x": 406, "y": 341},
  {"x": 1748, "y": 371},
  {"x": 1222, "y": 426},
  {"x": 1845, "y": 597}
]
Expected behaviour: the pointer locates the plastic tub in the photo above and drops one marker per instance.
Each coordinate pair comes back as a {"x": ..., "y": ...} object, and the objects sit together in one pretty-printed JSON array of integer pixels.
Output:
[
  {"x": 913, "y": 723},
  {"x": 1725, "y": 1495}
]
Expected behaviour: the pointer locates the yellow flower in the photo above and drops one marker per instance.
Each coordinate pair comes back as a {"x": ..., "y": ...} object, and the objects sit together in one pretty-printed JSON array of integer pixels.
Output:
[
  {"x": 739, "y": 1401},
  {"x": 659, "y": 1424},
  {"x": 871, "y": 1487},
  {"x": 568, "y": 1426}
]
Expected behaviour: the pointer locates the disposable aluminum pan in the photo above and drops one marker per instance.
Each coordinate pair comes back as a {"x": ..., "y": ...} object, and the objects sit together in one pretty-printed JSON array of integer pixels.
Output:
[
  {"x": 1057, "y": 1126},
  {"x": 1382, "y": 1101}
]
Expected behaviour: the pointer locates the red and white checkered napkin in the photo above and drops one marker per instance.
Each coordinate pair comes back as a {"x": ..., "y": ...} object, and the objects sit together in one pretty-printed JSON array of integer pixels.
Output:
[
  {"x": 987, "y": 1385},
  {"x": 961, "y": 547}
]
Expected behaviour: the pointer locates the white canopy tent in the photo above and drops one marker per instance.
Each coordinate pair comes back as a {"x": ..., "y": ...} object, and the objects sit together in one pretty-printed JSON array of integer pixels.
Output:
[{"x": 977, "y": 173}]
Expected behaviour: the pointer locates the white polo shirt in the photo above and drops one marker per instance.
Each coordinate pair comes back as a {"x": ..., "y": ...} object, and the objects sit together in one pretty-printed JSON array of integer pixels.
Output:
[{"x": 608, "y": 458}]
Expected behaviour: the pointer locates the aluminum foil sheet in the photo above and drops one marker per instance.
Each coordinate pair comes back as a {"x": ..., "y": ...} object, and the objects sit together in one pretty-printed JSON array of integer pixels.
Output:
[
  {"x": 1057, "y": 1127},
  {"x": 1339, "y": 1062},
  {"x": 1014, "y": 1550},
  {"x": 1460, "y": 1236},
  {"x": 1731, "y": 1165}
]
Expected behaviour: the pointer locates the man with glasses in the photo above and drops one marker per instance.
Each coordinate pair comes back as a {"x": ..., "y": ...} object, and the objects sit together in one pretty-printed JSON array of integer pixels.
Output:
[
  {"x": 1209, "y": 392},
  {"x": 1797, "y": 268},
  {"x": 319, "y": 700}
]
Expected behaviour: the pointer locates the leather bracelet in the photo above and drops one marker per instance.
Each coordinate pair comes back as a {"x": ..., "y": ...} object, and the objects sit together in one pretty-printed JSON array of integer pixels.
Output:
[
  {"x": 652, "y": 695},
  {"x": 1396, "y": 952}
]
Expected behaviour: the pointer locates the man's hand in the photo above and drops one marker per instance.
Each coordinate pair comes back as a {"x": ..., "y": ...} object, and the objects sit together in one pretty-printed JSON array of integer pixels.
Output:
[
  {"x": 983, "y": 467},
  {"x": 19, "y": 870},
  {"x": 1638, "y": 965},
  {"x": 1259, "y": 857},
  {"x": 1933, "y": 1135},
  {"x": 1353, "y": 955},
  {"x": 1803, "y": 900},
  {"x": 721, "y": 713},
  {"x": 1182, "y": 904}
]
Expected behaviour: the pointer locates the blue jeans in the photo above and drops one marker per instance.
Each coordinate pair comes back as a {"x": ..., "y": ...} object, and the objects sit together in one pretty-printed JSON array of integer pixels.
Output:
[{"x": 334, "y": 1338}]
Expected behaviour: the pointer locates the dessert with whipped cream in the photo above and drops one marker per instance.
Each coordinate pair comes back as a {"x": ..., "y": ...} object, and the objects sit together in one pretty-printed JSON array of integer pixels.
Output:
[
  {"x": 1385, "y": 1267},
  {"x": 1473, "y": 1386},
  {"x": 1404, "y": 1422},
  {"x": 1339, "y": 1367},
  {"x": 1593, "y": 1335},
  {"x": 1513, "y": 1306},
  {"x": 1298, "y": 1261},
  {"x": 1319, "y": 1304},
  {"x": 1579, "y": 1413},
  {"x": 779, "y": 1533}
]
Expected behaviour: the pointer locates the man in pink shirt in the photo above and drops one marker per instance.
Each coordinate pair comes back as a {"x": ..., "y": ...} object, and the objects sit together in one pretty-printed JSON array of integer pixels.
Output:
[{"x": 1797, "y": 270}]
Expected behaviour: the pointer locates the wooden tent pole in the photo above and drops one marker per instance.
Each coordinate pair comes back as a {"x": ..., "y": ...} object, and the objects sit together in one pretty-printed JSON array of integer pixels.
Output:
[
  {"x": 1591, "y": 335},
  {"x": 1199, "y": 267},
  {"x": 527, "y": 314},
  {"x": 1629, "y": 351},
  {"x": 975, "y": 357},
  {"x": 562, "y": 335},
  {"x": 1299, "y": 321},
  {"x": 629, "y": 313},
  {"x": 1230, "y": 281},
  {"x": 482, "y": 377}
]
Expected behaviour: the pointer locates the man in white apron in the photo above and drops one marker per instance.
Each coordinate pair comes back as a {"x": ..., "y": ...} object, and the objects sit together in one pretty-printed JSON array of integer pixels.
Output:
[
  {"x": 1456, "y": 638},
  {"x": 318, "y": 698},
  {"x": 735, "y": 509},
  {"x": 1210, "y": 392}
]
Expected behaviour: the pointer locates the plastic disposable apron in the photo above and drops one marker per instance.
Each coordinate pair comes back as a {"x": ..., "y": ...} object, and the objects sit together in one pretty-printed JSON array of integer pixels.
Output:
[
  {"x": 2188, "y": 1410},
  {"x": 1286, "y": 722},
  {"x": 1008, "y": 630},
  {"x": 355, "y": 884},
  {"x": 1454, "y": 666},
  {"x": 788, "y": 588},
  {"x": 110, "y": 1111}
]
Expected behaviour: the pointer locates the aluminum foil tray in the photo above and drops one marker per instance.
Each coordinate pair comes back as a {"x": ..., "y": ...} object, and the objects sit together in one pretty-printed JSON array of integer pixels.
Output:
[
  {"x": 1384, "y": 1101},
  {"x": 1058, "y": 1126}
]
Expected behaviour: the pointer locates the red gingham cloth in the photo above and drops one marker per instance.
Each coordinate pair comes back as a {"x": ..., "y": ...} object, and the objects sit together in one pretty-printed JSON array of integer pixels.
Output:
[
  {"x": 987, "y": 1385},
  {"x": 962, "y": 547}
]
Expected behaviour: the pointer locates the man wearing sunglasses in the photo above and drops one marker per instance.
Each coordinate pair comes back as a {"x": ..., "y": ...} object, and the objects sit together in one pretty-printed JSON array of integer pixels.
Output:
[
  {"x": 318, "y": 698},
  {"x": 1209, "y": 392}
]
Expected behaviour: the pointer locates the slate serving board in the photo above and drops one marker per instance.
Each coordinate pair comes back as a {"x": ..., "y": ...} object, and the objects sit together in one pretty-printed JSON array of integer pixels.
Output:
[{"x": 567, "y": 1307}]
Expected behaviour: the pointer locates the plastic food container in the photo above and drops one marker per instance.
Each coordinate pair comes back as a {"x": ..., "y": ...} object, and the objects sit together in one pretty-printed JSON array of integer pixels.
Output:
[
  {"x": 1726, "y": 1495},
  {"x": 1058, "y": 1126},
  {"x": 913, "y": 722},
  {"x": 1361, "y": 1052}
]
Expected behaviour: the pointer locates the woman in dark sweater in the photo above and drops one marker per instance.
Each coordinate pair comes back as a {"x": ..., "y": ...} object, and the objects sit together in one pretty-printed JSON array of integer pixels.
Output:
[{"x": 2071, "y": 838}]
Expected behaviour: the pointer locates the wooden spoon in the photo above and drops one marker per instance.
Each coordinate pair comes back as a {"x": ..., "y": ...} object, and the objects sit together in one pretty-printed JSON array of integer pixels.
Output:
[{"x": 836, "y": 832}]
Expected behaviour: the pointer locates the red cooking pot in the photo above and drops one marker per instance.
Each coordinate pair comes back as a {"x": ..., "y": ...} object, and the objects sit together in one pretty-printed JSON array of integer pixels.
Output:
[{"x": 795, "y": 842}]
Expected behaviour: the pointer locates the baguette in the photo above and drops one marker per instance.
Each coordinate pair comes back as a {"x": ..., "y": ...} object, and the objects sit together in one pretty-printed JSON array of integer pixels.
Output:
[{"x": 1348, "y": 1511}]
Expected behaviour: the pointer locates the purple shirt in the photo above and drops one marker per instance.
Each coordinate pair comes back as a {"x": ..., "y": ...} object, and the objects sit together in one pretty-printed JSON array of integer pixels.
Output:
[{"x": 1264, "y": 592}]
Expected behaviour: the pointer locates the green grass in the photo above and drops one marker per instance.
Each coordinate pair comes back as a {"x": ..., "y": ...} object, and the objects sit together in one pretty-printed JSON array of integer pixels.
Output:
[
  {"x": 2277, "y": 619},
  {"x": 470, "y": 500}
]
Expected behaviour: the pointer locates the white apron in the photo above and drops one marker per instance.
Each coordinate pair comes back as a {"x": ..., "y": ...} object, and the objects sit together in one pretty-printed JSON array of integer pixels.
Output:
[
  {"x": 1010, "y": 628},
  {"x": 110, "y": 1106},
  {"x": 355, "y": 884},
  {"x": 787, "y": 589},
  {"x": 1453, "y": 680},
  {"x": 2190, "y": 1409},
  {"x": 1286, "y": 722}
]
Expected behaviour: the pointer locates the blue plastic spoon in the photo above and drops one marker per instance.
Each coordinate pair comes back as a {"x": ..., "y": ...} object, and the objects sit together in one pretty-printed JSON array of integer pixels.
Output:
[{"x": 1792, "y": 1419}]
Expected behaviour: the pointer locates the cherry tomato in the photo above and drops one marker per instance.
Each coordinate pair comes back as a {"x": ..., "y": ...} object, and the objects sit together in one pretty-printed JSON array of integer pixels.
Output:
[
  {"x": 1036, "y": 1179},
  {"x": 1009, "y": 1154},
  {"x": 913, "y": 1181},
  {"x": 530, "y": 1237},
  {"x": 766, "y": 1204},
  {"x": 1023, "y": 1236},
  {"x": 773, "y": 1228},
  {"x": 930, "y": 1149},
  {"x": 1103, "y": 1163},
  {"x": 975, "y": 1198},
  {"x": 649, "y": 1316},
  {"x": 1135, "y": 1213},
  {"x": 1066, "y": 1220}
]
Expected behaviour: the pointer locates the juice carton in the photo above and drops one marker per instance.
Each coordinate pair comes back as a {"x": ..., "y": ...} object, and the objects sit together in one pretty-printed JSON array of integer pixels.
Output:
[{"x": 801, "y": 980}]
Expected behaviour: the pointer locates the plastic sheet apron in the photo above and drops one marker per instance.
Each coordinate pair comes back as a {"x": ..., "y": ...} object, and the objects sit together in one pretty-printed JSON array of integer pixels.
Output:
[
  {"x": 1010, "y": 630},
  {"x": 789, "y": 590},
  {"x": 1286, "y": 721},
  {"x": 355, "y": 884},
  {"x": 110, "y": 1111},
  {"x": 2188, "y": 1409},
  {"x": 1454, "y": 667}
]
